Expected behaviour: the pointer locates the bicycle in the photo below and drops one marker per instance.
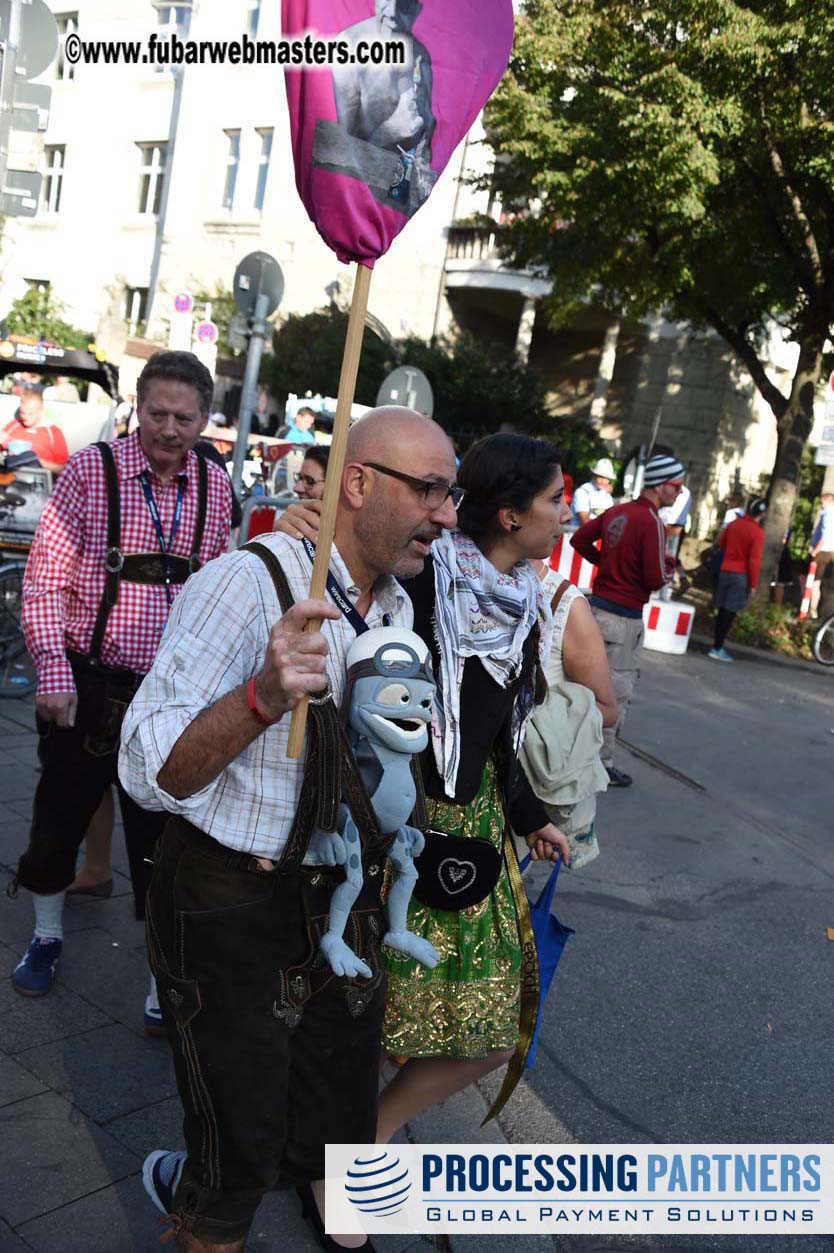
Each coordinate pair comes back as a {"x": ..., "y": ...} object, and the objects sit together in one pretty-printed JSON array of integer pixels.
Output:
[
  {"x": 822, "y": 644},
  {"x": 17, "y": 670}
]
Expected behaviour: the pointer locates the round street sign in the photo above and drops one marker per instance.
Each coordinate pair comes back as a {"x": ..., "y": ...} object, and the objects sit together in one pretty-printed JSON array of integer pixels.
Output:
[
  {"x": 38, "y": 41},
  {"x": 407, "y": 386},
  {"x": 207, "y": 333},
  {"x": 258, "y": 274},
  {"x": 183, "y": 302}
]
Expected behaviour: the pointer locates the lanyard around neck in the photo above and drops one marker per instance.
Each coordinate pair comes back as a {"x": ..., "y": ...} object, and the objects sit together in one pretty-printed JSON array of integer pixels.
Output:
[
  {"x": 153, "y": 509},
  {"x": 340, "y": 596}
]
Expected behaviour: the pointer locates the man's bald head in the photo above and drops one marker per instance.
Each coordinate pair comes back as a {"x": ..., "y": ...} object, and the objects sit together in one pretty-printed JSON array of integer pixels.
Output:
[
  {"x": 393, "y": 458},
  {"x": 391, "y": 430}
]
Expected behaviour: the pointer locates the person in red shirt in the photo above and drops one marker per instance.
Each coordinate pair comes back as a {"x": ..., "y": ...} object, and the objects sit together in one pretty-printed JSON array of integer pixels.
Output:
[
  {"x": 632, "y": 564},
  {"x": 742, "y": 543},
  {"x": 124, "y": 527},
  {"x": 30, "y": 425}
]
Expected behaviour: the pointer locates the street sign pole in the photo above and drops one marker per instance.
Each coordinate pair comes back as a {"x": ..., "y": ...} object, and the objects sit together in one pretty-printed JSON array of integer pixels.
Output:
[
  {"x": 258, "y": 286},
  {"x": 7, "y": 85},
  {"x": 250, "y": 385}
]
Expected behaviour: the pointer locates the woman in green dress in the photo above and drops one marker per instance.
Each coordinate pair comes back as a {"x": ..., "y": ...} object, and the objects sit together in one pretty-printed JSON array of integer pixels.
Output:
[{"x": 479, "y": 606}]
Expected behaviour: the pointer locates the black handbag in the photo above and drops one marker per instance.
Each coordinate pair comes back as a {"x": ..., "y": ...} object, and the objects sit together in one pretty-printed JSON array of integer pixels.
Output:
[{"x": 455, "y": 872}]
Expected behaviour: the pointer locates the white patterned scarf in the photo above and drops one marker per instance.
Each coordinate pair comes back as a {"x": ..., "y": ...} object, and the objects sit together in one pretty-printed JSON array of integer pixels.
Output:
[{"x": 483, "y": 613}]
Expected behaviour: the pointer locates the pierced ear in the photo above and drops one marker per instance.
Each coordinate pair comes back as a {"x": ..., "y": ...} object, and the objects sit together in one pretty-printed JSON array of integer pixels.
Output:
[{"x": 506, "y": 520}]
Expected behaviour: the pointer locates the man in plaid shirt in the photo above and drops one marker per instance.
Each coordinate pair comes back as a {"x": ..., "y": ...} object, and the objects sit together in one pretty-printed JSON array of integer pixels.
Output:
[{"x": 124, "y": 527}]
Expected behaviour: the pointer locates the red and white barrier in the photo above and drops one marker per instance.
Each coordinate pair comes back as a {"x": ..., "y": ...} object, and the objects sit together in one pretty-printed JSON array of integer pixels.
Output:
[
  {"x": 572, "y": 565},
  {"x": 668, "y": 625},
  {"x": 809, "y": 586}
]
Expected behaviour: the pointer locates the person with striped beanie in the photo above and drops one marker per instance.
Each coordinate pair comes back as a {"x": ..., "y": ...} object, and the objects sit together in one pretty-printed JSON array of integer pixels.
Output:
[{"x": 632, "y": 563}]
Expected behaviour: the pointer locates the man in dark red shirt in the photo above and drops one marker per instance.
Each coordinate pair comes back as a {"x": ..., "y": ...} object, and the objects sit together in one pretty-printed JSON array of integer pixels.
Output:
[
  {"x": 632, "y": 564},
  {"x": 742, "y": 543}
]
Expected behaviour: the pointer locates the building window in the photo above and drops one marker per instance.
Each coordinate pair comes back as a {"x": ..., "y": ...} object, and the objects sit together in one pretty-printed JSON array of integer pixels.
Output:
[
  {"x": 151, "y": 176},
  {"x": 53, "y": 181},
  {"x": 136, "y": 308},
  {"x": 67, "y": 25},
  {"x": 171, "y": 19},
  {"x": 232, "y": 163},
  {"x": 253, "y": 16},
  {"x": 171, "y": 15},
  {"x": 263, "y": 167}
]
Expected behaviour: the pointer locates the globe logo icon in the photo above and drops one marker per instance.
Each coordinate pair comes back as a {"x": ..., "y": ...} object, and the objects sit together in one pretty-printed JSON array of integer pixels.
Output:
[{"x": 378, "y": 1183}]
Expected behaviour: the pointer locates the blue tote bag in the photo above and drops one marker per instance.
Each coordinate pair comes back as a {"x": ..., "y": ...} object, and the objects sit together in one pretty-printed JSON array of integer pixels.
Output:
[{"x": 550, "y": 936}]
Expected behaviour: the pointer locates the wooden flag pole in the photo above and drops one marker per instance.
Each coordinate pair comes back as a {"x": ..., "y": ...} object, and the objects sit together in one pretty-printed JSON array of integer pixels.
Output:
[{"x": 335, "y": 465}]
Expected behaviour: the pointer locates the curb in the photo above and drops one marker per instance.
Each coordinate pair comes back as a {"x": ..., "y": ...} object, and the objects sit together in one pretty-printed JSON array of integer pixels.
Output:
[{"x": 703, "y": 644}]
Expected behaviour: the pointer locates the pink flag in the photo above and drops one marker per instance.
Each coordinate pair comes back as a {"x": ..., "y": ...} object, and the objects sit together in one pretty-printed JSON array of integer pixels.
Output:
[{"x": 370, "y": 140}]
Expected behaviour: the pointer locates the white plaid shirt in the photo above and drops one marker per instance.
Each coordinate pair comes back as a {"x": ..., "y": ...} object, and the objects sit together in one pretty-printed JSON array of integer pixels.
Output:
[{"x": 215, "y": 640}]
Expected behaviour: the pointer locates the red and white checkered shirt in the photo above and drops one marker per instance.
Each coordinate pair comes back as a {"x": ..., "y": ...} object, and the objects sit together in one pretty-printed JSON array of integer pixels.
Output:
[{"x": 64, "y": 579}]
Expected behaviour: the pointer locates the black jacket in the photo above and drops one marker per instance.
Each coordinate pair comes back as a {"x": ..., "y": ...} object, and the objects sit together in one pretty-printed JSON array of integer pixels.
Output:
[{"x": 485, "y": 715}]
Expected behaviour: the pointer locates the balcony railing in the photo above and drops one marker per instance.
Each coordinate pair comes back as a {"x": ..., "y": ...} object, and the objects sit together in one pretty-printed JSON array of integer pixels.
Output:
[{"x": 473, "y": 243}]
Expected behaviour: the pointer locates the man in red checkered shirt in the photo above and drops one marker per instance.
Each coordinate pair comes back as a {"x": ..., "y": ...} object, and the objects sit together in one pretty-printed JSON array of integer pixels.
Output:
[{"x": 125, "y": 526}]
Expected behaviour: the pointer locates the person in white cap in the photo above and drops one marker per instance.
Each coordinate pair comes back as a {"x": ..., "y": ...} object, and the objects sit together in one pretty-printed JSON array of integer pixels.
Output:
[
  {"x": 594, "y": 497},
  {"x": 632, "y": 563}
]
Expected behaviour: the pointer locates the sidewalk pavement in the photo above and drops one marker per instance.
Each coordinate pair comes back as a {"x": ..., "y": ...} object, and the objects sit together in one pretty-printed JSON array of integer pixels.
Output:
[
  {"x": 84, "y": 1095},
  {"x": 703, "y": 643}
]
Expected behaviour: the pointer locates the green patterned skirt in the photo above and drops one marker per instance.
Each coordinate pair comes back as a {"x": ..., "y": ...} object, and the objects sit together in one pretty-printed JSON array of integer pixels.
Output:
[{"x": 468, "y": 1006}]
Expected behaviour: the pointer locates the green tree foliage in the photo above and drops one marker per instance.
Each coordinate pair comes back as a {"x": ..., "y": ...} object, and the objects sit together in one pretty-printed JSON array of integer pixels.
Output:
[
  {"x": 678, "y": 156},
  {"x": 478, "y": 386},
  {"x": 307, "y": 357},
  {"x": 40, "y": 315}
]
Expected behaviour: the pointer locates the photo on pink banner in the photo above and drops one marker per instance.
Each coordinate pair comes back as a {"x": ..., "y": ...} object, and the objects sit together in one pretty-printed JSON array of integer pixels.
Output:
[{"x": 371, "y": 140}]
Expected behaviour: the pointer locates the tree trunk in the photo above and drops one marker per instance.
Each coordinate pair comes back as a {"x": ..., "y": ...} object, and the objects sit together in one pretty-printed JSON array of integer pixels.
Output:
[{"x": 793, "y": 427}]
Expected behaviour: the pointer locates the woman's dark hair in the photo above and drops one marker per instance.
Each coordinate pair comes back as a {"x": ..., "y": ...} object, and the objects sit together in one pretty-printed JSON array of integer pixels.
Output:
[
  {"x": 499, "y": 472},
  {"x": 318, "y": 453},
  {"x": 177, "y": 367},
  {"x": 757, "y": 506}
]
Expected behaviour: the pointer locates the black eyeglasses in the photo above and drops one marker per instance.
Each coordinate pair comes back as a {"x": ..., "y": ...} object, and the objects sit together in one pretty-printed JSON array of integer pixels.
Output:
[
  {"x": 308, "y": 481},
  {"x": 434, "y": 494}
]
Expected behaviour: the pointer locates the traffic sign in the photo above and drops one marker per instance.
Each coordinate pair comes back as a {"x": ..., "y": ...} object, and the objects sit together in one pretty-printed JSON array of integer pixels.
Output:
[
  {"x": 31, "y": 107},
  {"x": 183, "y": 303},
  {"x": 38, "y": 40},
  {"x": 407, "y": 386},
  {"x": 258, "y": 274},
  {"x": 20, "y": 194},
  {"x": 824, "y": 455},
  {"x": 207, "y": 333}
]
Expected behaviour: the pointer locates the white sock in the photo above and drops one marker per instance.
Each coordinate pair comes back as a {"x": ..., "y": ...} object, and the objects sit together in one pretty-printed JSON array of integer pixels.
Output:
[
  {"x": 48, "y": 916},
  {"x": 152, "y": 1001}
]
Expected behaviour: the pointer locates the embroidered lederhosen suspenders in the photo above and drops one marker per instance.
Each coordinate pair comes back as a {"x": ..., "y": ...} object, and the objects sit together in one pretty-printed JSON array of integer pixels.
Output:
[
  {"x": 162, "y": 568},
  {"x": 331, "y": 776}
]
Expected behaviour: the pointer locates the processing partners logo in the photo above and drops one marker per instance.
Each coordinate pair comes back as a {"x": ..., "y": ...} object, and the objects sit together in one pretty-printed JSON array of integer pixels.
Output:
[
  {"x": 580, "y": 1189},
  {"x": 378, "y": 1183}
]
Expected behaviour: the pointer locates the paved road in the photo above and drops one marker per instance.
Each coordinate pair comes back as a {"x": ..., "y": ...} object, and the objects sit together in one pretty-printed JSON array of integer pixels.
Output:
[
  {"x": 693, "y": 1004},
  {"x": 695, "y": 1001}
]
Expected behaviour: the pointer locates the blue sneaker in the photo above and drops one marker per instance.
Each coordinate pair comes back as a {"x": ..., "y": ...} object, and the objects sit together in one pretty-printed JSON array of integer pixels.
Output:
[
  {"x": 154, "y": 1026},
  {"x": 720, "y": 654},
  {"x": 161, "y": 1174},
  {"x": 34, "y": 974}
]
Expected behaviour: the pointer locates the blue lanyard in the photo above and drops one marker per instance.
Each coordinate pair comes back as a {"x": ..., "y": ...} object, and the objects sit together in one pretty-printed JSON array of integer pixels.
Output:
[
  {"x": 153, "y": 509},
  {"x": 340, "y": 597}
]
